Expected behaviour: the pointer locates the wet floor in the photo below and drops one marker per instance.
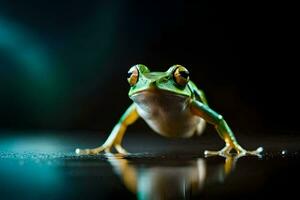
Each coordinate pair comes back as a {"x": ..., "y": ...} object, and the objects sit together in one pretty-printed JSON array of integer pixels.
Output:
[{"x": 41, "y": 165}]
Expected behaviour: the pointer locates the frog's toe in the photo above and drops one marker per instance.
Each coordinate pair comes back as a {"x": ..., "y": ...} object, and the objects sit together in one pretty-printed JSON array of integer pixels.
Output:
[
  {"x": 256, "y": 152},
  {"x": 211, "y": 153},
  {"x": 89, "y": 151},
  {"x": 214, "y": 153},
  {"x": 82, "y": 151},
  {"x": 259, "y": 150}
]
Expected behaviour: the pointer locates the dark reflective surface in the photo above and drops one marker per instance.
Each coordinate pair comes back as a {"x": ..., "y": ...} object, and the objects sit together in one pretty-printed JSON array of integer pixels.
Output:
[
  {"x": 44, "y": 166},
  {"x": 166, "y": 177}
]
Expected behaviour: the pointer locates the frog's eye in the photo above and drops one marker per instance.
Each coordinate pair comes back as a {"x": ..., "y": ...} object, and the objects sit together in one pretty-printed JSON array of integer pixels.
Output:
[
  {"x": 133, "y": 76},
  {"x": 181, "y": 75}
]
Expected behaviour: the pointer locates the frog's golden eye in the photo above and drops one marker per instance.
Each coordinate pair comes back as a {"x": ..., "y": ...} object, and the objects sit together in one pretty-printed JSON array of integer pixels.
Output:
[
  {"x": 181, "y": 75},
  {"x": 133, "y": 76}
]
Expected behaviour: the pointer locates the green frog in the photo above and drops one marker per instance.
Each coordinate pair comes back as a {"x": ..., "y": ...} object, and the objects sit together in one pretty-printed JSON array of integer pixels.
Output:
[{"x": 173, "y": 106}]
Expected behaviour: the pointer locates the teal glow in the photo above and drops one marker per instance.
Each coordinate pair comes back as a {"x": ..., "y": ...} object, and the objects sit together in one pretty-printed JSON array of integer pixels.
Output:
[
  {"x": 26, "y": 167},
  {"x": 41, "y": 144},
  {"x": 23, "y": 48},
  {"x": 52, "y": 66},
  {"x": 38, "y": 78}
]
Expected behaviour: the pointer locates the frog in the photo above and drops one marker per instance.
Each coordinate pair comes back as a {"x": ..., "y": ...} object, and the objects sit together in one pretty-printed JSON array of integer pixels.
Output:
[{"x": 173, "y": 106}]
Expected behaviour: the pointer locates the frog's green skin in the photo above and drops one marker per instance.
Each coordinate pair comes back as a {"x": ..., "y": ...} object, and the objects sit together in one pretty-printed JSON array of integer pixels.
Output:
[{"x": 171, "y": 110}]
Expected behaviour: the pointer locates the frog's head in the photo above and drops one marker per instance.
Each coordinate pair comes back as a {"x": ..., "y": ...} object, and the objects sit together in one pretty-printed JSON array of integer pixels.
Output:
[{"x": 174, "y": 80}]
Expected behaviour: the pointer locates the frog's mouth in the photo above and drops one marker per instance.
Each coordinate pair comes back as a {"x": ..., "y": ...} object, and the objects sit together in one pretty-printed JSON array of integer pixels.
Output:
[{"x": 158, "y": 92}]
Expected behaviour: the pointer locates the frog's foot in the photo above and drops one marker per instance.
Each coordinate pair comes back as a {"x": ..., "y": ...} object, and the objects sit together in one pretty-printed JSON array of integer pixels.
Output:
[
  {"x": 223, "y": 152},
  {"x": 226, "y": 151},
  {"x": 100, "y": 149}
]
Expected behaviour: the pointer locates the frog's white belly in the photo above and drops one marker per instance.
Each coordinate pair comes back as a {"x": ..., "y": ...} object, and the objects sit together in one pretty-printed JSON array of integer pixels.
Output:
[{"x": 167, "y": 114}]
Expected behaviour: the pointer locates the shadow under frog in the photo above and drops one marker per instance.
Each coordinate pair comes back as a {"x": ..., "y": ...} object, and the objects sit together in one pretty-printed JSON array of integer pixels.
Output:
[{"x": 167, "y": 178}]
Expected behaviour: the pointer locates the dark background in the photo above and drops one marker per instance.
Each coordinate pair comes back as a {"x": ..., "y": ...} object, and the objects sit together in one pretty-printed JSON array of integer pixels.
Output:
[{"x": 63, "y": 64}]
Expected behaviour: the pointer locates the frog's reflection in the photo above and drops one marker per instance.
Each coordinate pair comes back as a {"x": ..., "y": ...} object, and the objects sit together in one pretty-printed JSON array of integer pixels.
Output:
[{"x": 166, "y": 179}]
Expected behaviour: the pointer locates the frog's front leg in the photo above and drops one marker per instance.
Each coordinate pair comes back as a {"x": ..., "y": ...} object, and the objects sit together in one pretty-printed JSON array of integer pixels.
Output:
[
  {"x": 222, "y": 128},
  {"x": 116, "y": 136}
]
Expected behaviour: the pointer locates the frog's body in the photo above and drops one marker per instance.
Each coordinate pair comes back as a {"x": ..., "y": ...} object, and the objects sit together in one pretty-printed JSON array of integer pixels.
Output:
[
  {"x": 172, "y": 106},
  {"x": 167, "y": 113}
]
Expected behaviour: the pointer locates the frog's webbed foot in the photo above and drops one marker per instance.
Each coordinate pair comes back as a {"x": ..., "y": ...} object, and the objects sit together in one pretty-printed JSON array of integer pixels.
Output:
[
  {"x": 226, "y": 151},
  {"x": 100, "y": 149}
]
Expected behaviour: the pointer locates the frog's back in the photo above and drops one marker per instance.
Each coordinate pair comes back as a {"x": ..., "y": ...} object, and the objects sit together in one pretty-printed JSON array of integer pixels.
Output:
[{"x": 167, "y": 113}]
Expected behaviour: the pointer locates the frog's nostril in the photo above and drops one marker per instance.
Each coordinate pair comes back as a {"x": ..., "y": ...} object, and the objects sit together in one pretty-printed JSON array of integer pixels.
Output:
[{"x": 152, "y": 84}]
